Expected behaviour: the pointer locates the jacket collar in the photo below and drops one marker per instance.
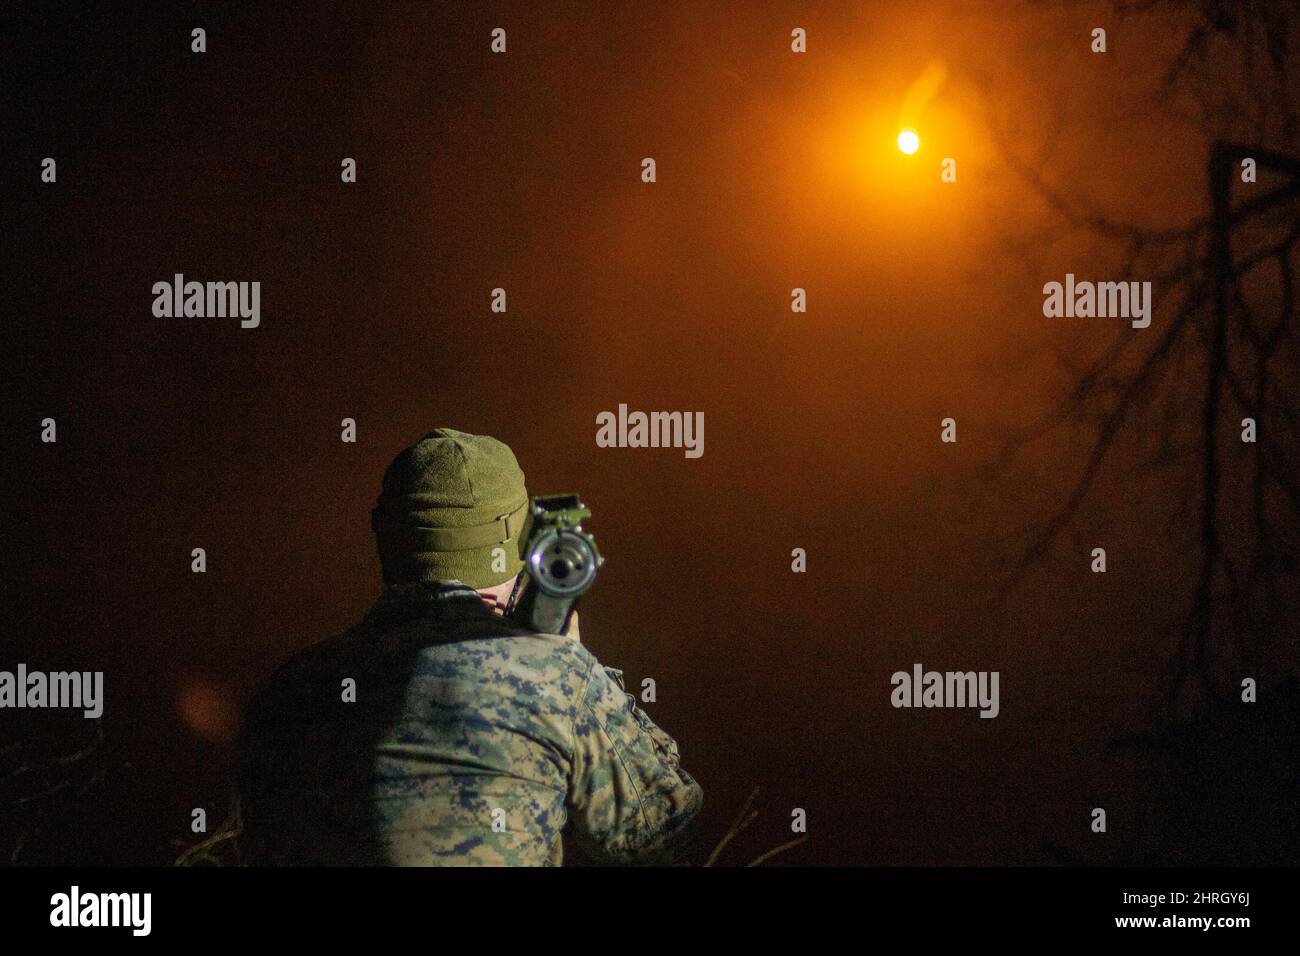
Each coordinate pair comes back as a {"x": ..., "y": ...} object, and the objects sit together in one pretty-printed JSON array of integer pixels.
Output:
[{"x": 415, "y": 599}]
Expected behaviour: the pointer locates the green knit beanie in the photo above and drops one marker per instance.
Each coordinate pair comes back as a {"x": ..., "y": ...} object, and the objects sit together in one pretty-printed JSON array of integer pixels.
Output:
[{"x": 451, "y": 509}]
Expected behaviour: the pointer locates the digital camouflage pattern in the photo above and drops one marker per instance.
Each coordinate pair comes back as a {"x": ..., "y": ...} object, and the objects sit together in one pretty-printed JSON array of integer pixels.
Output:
[{"x": 470, "y": 742}]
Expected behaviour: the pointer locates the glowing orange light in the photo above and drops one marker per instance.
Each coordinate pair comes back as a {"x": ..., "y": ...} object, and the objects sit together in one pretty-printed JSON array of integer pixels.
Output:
[
  {"x": 207, "y": 709},
  {"x": 908, "y": 141}
]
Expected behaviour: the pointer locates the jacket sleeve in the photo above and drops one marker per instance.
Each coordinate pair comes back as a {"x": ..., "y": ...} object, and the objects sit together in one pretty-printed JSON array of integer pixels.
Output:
[{"x": 627, "y": 794}]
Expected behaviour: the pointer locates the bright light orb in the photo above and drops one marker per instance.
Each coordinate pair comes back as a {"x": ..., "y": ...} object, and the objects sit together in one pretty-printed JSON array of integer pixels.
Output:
[{"x": 908, "y": 141}]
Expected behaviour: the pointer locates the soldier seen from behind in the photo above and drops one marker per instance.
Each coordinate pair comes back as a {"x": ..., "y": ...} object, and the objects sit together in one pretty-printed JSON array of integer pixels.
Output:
[{"x": 437, "y": 732}]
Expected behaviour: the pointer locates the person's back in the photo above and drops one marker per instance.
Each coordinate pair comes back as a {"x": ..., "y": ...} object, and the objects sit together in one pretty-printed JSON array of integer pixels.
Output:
[{"x": 437, "y": 733}]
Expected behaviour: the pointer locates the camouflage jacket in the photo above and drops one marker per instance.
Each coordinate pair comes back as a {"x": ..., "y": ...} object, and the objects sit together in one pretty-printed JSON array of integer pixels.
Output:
[{"x": 465, "y": 741}]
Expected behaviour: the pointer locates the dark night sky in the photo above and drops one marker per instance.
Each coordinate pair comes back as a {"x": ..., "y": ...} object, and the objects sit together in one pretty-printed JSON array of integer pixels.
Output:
[{"x": 522, "y": 171}]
